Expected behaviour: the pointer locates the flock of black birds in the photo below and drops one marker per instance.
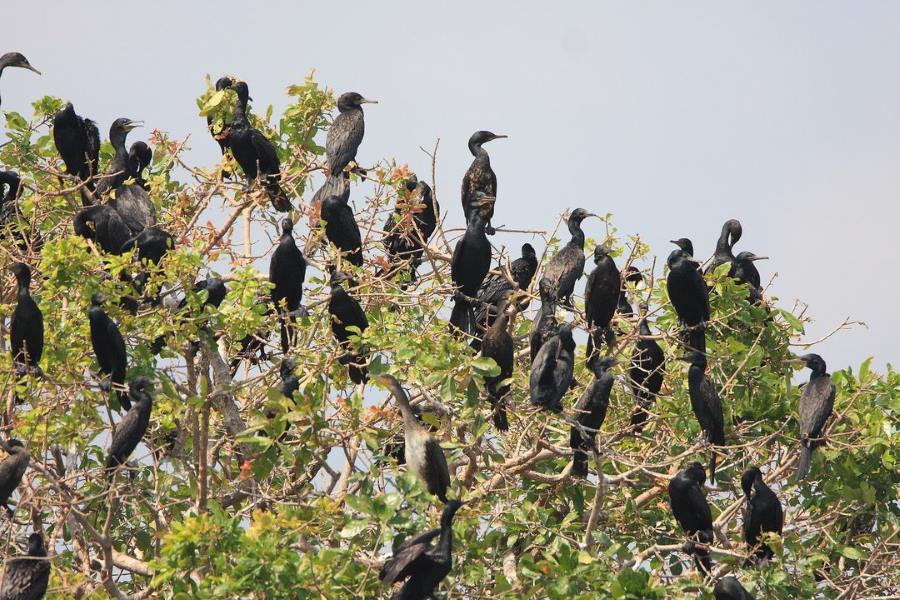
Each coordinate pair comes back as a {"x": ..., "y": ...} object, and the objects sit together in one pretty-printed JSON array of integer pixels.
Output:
[{"x": 118, "y": 215}]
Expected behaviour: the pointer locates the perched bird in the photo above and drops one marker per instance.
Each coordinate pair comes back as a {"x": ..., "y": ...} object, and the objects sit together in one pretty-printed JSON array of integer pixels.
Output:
[
  {"x": 686, "y": 245},
  {"x": 335, "y": 185},
  {"x": 346, "y": 132},
  {"x": 78, "y": 142},
  {"x": 15, "y": 59},
  {"x": 221, "y": 137},
  {"x": 109, "y": 348},
  {"x": 215, "y": 289},
  {"x": 631, "y": 275},
  {"x": 692, "y": 512},
  {"x": 253, "y": 345},
  {"x": 423, "y": 566},
  {"x": 544, "y": 325},
  {"x": 346, "y": 312},
  {"x": 567, "y": 266},
  {"x": 424, "y": 455},
  {"x": 11, "y": 184},
  {"x": 762, "y": 513},
  {"x": 743, "y": 269},
  {"x": 254, "y": 152},
  {"x": 470, "y": 264},
  {"x": 152, "y": 243},
  {"x": 590, "y": 412},
  {"x": 27, "y": 578},
  {"x": 816, "y": 405},
  {"x": 119, "y": 168},
  {"x": 480, "y": 176},
  {"x": 341, "y": 227},
  {"x": 729, "y": 588},
  {"x": 135, "y": 207},
  {"x": 26, "y": 331},
  {"x": 140, "y": 155},
  {"x": 498, "y": 344},
  {"x": 12, "y": 469},
  {"x": 707, "y": 406},
  {"x": 409, "y": 227},
  {"x": 287, "y": 272},
  {"x": 601, "y": 298},
  {"x": 646, "y": 372},
  {"x": 290, "y": 383},
  {"x": 103, "y": 224},
  {"x": 496, "y": 288},
  {"x": 133, "y": 425},
  {"x": 731, "y": 233},
  {"x": 689, "y": 297},
  {"x": 551, "y": 370}
]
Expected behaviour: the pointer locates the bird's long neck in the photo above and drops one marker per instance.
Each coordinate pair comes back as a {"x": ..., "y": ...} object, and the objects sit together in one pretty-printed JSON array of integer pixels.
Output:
[
  {"x": 117, "y": 139},
  {"x": 577, "y": 234},
  {"x": 445, "y": 544},
  {"x": 240, "y": 111},
  {"x": 644, "y": 328},
  {"x": 475, "y": 228},
  {"x": 24, "y": 283},
  {"x": 479, "y": 152},
  {"x": 410, "y": 423}
]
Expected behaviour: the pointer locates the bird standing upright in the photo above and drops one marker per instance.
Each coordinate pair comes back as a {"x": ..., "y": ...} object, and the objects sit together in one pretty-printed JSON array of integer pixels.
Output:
[
  {"x": 731, "y": 233},
  {"x": 424, "y": 455},
  {"x": 743, "y": 269},
  {"x": 479, "y": 176},
  {"x": 816, "y": 405},
  {"x": 12, "y": 469},
  {"x": 133, "y": 425},
  {"x": 729, "y": 588},
  {"x": 109, "y": 348},
  {"x": 762, "y": 513},
  {"x": 119, "y": 168},
  {"x": 567, "y": 266},
  {"x": 15, "y": 59},
  {"x": 221, "y": 136},
  {"x": 544, "y": 325},
  {"x": 689, "y": 296},
  {"x": 590, "y": 412},
  {"x": 27, "y": 578},
  {"x": 551, "y": 370},
  {"x": 707, "y": 406},
  {"x": 601, "y": 298},
  {"x": 409, "y": 227},
  {"x": 26, "y": 331},
  {"x": 345, "y": 312},
  {"x": 287, "y": 272},
  {"x": 692, "y": 512},
  {"x": 498, "y": 344},
  {"x": 470, "y": 264},
  {"x": 10, "y": 187},
  {"x": 646, "y": 372},
  {"x": 78, "y": 143},
  {"x": 497, "y": 287},
  {"x": 341, "y": 227},
  {"x": 346, "y": 132}
]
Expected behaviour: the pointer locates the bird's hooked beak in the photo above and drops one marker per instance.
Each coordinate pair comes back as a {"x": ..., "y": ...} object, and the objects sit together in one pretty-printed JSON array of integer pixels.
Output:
[
  {"x": 133, "y": 125},
  {"x": 367, "y": 101},
  {"x": 755, "y": 258},
  {"x": 27, "y": 65},
  {"x": 499, "y": 136}
]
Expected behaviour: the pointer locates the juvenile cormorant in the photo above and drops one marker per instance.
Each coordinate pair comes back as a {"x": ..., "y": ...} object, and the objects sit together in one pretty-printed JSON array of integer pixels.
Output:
[
  {"x": 707, "y": 406},
  {"x": 12, "y": 469},
  {"x": 222, "y": 83},
  {"x": 140, "y": 155},
  {"x": 424, "y": 565},
  {"x": 341, "y": 227},
  {"x": 551, "y": 371},
  {"x": 78, "y": 143},
  {"x": 601, "y": 297},
  {"x": 345, "y": 312},
  {"x": 409, "y": 227},
  {"x": 689, "y": 297},
  {"x": 816, "y": 405},
  {"x": 424, "y": 455},
  {"x": 692, "y": 512},
  {"x": 731, "y": 233},
  {"x": 646, "y": 372},
  {"x": 109, "y": 348},
  {"x": 26, "y": 331},
  {"x": 567, "y": 265},
  {"x": 498, "y": 344},
  {"x": 743, "y": 269},
  {"x": 133, "y": 425},
  {"x": 470, "y": 264},
  {"x": 15, "y": 59},
  {"x": 120, "y": 167},
  {"x": 729, "y": 588},
  {"x": 254, "y": 152},
  {"x": 544, "y": 325},
  {"x": 497, "y": 287},
  {"x": 590, "y": 412},
  {"x": 287, "y": 272},
  {"x": 762, "y": 512},
  {"x": 27, "y": 578},
  {"x": 480, "y": 176},
  {"x": 346, "y": 132}
]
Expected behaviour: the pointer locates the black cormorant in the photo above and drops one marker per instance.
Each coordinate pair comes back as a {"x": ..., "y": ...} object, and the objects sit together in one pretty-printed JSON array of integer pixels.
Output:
[
  {"x": 133, "y": 425},
  {"x": 103, "y": 224},
  {"x": 119, "y": 168},
  {"x": 27, "y": 578},
  {"x": 631, "y": 275},
  {"x": 222, "y": 83},
  {"x": 287, "y": 272},
  {"x": 15, "y": 59},
  {"x": 253, "y": 345},
  {"x": 816, "y": 404},
  {"x": 707, "y": 406},
  {"x": 692, "y": 512},
  {"x": 729, "y": 588},
  {"x": 10, "y": 187},
  {"x": 743, "y": 269},
  {"x": 762, "y": 512},
  {"x": 496, "y": 288},
  {"x": 109, "y": 348},
  {"x": 646, "y": 372},
  {"x": 689, "y": 296},
  {"x": 601, "y": 297},
  {"x": 499, "y": 345},
  {"x": 26, "y": 331},
  {"x": 590, "y": 412},
  {"x": 215, "y": 289},
  {"x": 423, "y": 565},
  {"x": 685, "y": 244},
  {"x": 341, "y": 227},
  {"x": 567, "y": 265},
  {"x": 470, "y": 265},
  {"x": 544, "y": 325},
  {"x": 346, "y": 132},
  {"x": 140, "y": 155},
  {"x": 254, "y": 152},
  {"x": 424, "y": 455},
  {"x": 409, "y": 227},
  {"x": 335, "y": 185},
  {"x": 731, "y": 233},
  {"x": 551, "y": 371},
  {"x": 152, "y": 244},
  {"x": 78, "y": 143},
  {"x": 480, "y": 176},
  {"x": 12, "y": 469},
  {"x": 135, "y": 207},
  {"x": 345, "y": 312}
]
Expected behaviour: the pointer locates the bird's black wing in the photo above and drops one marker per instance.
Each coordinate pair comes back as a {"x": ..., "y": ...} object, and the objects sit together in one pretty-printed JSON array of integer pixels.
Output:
[
  {"x": 401, "y": 565},
  {"x": 265, "y": 153},
  {"x": 436, "y": 464},
  {"x": 816, "y": 406},
  {"x": 343, "y": 140},
  {"x": 92, "y": 148},
  {"x": 714, "y": 413},
  {"x": 133, "y": 204}
]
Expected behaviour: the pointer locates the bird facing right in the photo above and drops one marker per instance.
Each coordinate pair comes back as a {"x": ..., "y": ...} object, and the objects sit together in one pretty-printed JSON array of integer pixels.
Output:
[{"x": 816, "y": 405}]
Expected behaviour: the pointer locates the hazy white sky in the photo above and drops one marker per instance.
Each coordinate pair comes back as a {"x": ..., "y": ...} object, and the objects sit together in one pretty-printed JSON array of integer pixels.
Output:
[{"x": 672, "y": 116}]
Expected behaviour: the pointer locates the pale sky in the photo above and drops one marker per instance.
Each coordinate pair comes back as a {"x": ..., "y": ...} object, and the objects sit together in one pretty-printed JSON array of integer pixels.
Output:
[{"x": 672, "y": 116}]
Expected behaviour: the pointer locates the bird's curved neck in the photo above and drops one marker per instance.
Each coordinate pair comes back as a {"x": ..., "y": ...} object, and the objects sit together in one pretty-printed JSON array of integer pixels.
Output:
[
  {"x": 24, "y": 283},
  {"x": 117, "y": 139},
  {"x": 445, "y": 544},
  {"x": 476, "y": 226},
  {"x": 479, "y": 152},
  {"x": 409, "y": 417},
  {"x": 577, "y": 234},
  {"x": 240, "y": 111}
]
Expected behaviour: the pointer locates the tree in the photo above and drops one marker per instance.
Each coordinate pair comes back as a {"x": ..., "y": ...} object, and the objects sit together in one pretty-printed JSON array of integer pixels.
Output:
[{"x": 239, "y": 491}]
